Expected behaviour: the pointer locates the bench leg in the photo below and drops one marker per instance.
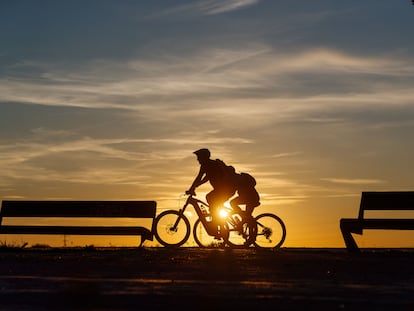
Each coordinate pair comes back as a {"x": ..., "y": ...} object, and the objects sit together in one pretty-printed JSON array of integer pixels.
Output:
[
  {"x": 349, "y": 239},
  {"x": 146, "y": 236}
]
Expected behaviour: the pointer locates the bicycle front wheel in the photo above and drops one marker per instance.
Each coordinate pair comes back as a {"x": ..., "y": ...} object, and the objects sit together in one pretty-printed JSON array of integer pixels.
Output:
[
  {"x": 203, "y": 239},
  {"x": 271, "y": 231},
  {"x": 171, "y": 228}
]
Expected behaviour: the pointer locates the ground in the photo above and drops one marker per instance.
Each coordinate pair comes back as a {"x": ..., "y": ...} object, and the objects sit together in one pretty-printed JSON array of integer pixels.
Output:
[{"x": 205, "y": 279}]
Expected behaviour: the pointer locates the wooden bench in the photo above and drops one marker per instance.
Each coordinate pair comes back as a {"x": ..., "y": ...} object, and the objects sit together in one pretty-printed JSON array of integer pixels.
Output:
[
  {"x": 378, "y": 201},
  {"x": 52, "y": 210}
]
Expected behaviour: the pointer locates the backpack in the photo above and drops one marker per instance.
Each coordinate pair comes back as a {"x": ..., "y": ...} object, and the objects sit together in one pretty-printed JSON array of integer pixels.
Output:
[
  {"x": 227, "y": 171},
  {"x": 247, "y": 180}
]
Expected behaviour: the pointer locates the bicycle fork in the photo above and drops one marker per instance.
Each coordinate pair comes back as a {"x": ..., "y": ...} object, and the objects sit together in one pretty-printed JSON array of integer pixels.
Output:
[{"x": 180, "y": 216}]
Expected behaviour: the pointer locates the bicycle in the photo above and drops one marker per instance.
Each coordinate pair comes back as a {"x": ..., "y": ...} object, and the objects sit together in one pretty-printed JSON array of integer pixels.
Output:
[{"x": 172, "y": 228}]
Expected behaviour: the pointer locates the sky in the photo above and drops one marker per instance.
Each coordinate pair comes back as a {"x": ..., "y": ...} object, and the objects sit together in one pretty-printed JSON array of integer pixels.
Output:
[{"x": 107, "y": 100}]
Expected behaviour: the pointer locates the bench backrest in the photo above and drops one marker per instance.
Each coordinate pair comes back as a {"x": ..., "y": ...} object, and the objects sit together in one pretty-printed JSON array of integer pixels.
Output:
[
  {"x": 111, "y": 209},
  {"x": 397, "y": 200}
]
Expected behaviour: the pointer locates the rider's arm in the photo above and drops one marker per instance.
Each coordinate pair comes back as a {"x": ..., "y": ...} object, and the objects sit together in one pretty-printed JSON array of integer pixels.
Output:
[{"x": 199, "y": 180}]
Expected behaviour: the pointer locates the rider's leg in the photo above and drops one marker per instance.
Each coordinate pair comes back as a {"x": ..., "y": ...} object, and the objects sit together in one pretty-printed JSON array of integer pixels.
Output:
[
  {"x": 215, "y": 200},
  {"x": 250, "y": 197},
  {"x": 249, "y": 210},
  {"x": 235, "y": 205}
]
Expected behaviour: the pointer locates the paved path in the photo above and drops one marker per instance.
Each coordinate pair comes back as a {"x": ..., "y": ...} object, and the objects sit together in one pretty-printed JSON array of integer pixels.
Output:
[{"x": 199, "y": 279}]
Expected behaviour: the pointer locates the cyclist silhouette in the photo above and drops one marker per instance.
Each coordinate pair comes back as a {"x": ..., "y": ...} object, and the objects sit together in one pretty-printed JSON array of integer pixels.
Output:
[
  {"x": 266, "y": 230},
  {"x": 220, "y": 179}
]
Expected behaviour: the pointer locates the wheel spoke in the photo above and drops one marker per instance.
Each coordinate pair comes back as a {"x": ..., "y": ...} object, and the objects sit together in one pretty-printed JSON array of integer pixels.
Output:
[{"x": 170, "y": 233}]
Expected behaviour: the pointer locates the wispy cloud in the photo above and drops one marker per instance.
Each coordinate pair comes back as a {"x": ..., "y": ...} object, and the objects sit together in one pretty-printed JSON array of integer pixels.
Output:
[
  {"x": 222, "y": 6},
  {"x": 286, "y": 154},
  {"x": 59, "y": 155},
  {"x": 206, "y": 7},
  {"x": 264, "y": 74},
  {"x": 355, "y": 181}
]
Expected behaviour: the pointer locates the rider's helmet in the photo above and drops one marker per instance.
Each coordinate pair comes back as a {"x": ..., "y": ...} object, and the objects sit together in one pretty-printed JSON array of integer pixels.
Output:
[{"x": 202, "y": 153}]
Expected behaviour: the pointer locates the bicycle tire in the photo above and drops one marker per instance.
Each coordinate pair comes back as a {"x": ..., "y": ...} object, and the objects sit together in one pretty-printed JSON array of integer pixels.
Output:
[
  {"x": 242, "y": 238},
  {"x": 166, "y": 234},
  {"x": 271, "y": 231}
]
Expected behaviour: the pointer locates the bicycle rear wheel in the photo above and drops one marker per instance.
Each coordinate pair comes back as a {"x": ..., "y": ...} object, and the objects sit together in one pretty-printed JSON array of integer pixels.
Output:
[
  {"x": 203, "y": 239},
  {"x": 271, "y": 231},
  {"x": 167, "y": 233}
]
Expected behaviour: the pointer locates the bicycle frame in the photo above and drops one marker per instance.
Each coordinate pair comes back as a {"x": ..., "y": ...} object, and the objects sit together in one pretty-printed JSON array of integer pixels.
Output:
[{"x": 202, "y": 214}]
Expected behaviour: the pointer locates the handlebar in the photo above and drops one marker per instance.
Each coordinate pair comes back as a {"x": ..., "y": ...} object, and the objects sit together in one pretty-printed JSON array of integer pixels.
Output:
[{"x": 190, "y": 193}]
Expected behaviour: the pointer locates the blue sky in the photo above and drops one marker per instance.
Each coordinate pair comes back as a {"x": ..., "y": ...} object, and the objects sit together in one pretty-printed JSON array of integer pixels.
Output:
[{"x": 108, "y": 100}]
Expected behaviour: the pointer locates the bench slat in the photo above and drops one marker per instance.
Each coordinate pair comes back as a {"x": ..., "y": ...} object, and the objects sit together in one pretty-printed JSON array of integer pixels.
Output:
[
  {"x": 402, "y": 200},
  {"x": 357, "y": 225},
  {"x": 125, "y": 209},
  {"x": 74, "y": 230},
  {"x": 145, "y": 233}
]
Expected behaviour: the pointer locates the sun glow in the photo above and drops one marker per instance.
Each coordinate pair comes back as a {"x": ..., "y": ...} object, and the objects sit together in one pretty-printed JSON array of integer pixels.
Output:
[{"x": 224, "y": 213}]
